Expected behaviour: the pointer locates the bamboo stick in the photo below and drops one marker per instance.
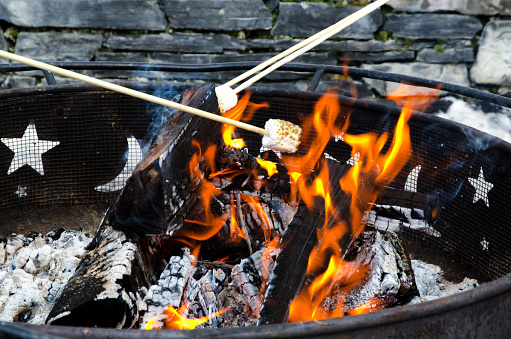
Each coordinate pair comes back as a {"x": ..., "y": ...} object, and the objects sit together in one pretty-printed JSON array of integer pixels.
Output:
[
  {"x": 302, "y": 47},
  {"x": 131, "y": 92}
]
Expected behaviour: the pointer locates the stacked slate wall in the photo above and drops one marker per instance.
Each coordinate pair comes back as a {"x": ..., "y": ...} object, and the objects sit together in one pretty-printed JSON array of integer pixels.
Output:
[{"x": 467, "y": 42}]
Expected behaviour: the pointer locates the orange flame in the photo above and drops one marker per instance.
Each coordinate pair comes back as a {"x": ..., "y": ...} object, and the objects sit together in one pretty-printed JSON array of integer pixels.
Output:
[
  {"x": 176, "y": 321},
  {"x": 235, "y": 230},
  {"x": 244, "y": 111},
  {"x": 255, "y": 204},
  {"x": 210, "y": 224},
  {"x": 269, "y": 166},
  {"x": 375, "y": 170}
]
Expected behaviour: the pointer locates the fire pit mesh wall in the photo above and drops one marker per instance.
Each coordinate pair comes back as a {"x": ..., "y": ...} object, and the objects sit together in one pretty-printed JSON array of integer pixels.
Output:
[
  {"x": 80, "y": 144},
  {"x": 463, "y": 174}
]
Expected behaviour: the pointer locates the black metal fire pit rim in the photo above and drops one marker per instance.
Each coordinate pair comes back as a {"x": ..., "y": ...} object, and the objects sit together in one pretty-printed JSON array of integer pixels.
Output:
[
  {"x": 296, "y": 67},
  {"x": 337, "y": 326}
]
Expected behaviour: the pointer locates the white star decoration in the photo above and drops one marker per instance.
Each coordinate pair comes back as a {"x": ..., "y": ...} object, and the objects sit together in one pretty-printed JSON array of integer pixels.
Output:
[
  {"x": 482, "y": 188},
  {"x": 485, "y": 244},
  {"x": 21, "y": 192},
  {"x": 28, "y": 149}
]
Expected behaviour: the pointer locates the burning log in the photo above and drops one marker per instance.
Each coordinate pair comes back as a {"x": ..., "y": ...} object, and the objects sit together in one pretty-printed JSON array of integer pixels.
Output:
[
  {"x": 297, "y": 243},
  {"x": 169, "y": 290},
  {"x": 155, "y": 200},
  {"x": 390, "y": 280},
  {"x": 395, "y": 209}
]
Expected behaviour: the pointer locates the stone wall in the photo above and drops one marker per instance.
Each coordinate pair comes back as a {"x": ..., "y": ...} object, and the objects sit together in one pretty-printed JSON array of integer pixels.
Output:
[{"x": 467, "y": 42}]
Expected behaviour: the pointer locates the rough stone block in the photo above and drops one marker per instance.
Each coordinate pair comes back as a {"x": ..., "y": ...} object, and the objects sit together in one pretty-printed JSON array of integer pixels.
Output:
[
  {"x": 450, "y": 73},
  {"x": 108, "y": 14},
  {"x": 305, "y": 19},
  {"x": 447, "y": 56},
  {"x": 3, "y": 46},
  {"x": 176, "y": 42},
  {"x": 432, "y": 26},
  {"x": 493, "y": 62},
  {"x": 18, "y": 82},
  {"x": 3, "y": 42},
  {"x": 199, "y": 59},
  {"x": 380, "y": 57},
  {"x": 218, "y": 15},
  {"x": 472, "y": 7},
  {"x": 58, "y": 46},
  {"x": 333, "y": 46}
]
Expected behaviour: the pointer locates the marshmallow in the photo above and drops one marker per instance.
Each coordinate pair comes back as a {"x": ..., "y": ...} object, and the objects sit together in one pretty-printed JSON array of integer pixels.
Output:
[
  {"x": 227, "y": 98},
  {"x": 284, "y": 136}
]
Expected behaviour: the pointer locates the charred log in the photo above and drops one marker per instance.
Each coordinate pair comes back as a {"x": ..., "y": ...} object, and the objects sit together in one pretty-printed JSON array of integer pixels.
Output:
[
  {"x": 126, "y": 252},
  {"x": 160, "y": 191},
  {"x": 388, "y": 279},
  {"x": 297, "y": 243}
]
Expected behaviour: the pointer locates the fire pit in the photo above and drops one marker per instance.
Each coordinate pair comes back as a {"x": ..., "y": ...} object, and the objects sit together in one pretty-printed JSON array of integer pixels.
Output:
[{"x": 454, "y": 185}]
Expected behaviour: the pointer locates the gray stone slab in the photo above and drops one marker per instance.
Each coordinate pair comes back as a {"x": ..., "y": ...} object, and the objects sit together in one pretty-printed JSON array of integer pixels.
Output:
[
  {"x": 493, "y": 60},
  {"x": 176, "y": 42},
  {"x": 331, "y": 46},
  {"x": 432, "y": 26},
  {"x": 472, "y": 7},
  {"x": 108, "y": 14},
  {"x": 447, "y": 56},
  {"x": 450, "y": 73},
  {"x": 57, "y": 46},
  {"x": 380, "y": 57},
  {"x": 305, "y": 19},
  {"x": 151, "y": 72},
  {"x": 218, "y": 15},
  {"x": 3, "y": 46},
  {"x": 3, "y": 42},
  {"x": 307, "y": 58},
  {"x": 16, "y": 81}
]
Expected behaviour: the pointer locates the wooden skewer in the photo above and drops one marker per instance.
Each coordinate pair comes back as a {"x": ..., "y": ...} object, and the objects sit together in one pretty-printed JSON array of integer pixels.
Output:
[
  {"x": 131, "y": 92},
  {"x": 302, "y": 47}
]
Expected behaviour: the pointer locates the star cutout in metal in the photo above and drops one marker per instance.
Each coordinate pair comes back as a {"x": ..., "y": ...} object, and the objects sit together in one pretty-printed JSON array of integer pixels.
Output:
[
  {"x": 485, "y": 244},
  {"x": 21, "y": 192},
  {"x": 28, "y": 149},
  {"x": 482, "y": 188}
]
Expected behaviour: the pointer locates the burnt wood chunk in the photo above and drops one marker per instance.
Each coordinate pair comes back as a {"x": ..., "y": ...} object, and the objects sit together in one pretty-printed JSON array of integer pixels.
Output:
[
  {"x": 160, "y": 192},
  {"x": 297, "y": 243},
  {"x": 126, "y": 253}
]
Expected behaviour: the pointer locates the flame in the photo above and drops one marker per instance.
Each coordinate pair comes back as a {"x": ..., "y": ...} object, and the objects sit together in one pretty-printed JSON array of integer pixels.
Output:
[
  {"x": 244, "y": 111},
  {"x": 363, "y": 182},
  {"x": 150, "y": 323},
  {"x": 369, "y": 306},
  {"x": 176, "y": 321},
  {"x": 210, "y": 223},
  {"x": 235, "y": 230},
  {"x": 269, "y": 166},
  {"x": 255, "y": 204}
]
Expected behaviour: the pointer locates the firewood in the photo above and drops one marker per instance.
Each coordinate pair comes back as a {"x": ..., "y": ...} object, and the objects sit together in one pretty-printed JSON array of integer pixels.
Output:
[
  {"x": 126, "y": 252},
  {"x": 299, "y": 238}
]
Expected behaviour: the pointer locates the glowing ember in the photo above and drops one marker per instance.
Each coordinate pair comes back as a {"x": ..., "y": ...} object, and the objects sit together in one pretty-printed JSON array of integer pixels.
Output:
[{"x": 175, "y": 321}]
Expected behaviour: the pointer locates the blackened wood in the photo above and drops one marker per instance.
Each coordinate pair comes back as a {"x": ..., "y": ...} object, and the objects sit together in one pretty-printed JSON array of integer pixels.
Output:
[
  {"x": 296, "y": 245},
  {"x": 160, "y": 192},
  {"x": 122, "y": 257},
  {"x": 428, "y": 203}
]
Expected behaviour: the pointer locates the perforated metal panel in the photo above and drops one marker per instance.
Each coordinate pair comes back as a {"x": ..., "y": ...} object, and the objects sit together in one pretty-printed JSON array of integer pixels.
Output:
[{"x": 79, "y": 141}]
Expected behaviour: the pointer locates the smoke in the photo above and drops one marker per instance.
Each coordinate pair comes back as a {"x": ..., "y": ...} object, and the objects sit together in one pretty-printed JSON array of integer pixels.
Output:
[
  {"x": 496, "y": 123},
  {"x": 158, "y": 114}
]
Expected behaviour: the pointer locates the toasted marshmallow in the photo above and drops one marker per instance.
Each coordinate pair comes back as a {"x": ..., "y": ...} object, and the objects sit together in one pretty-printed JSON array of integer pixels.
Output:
[
  {"x": 227, "y": 98},
  {"x": 284, "y": 136}
]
